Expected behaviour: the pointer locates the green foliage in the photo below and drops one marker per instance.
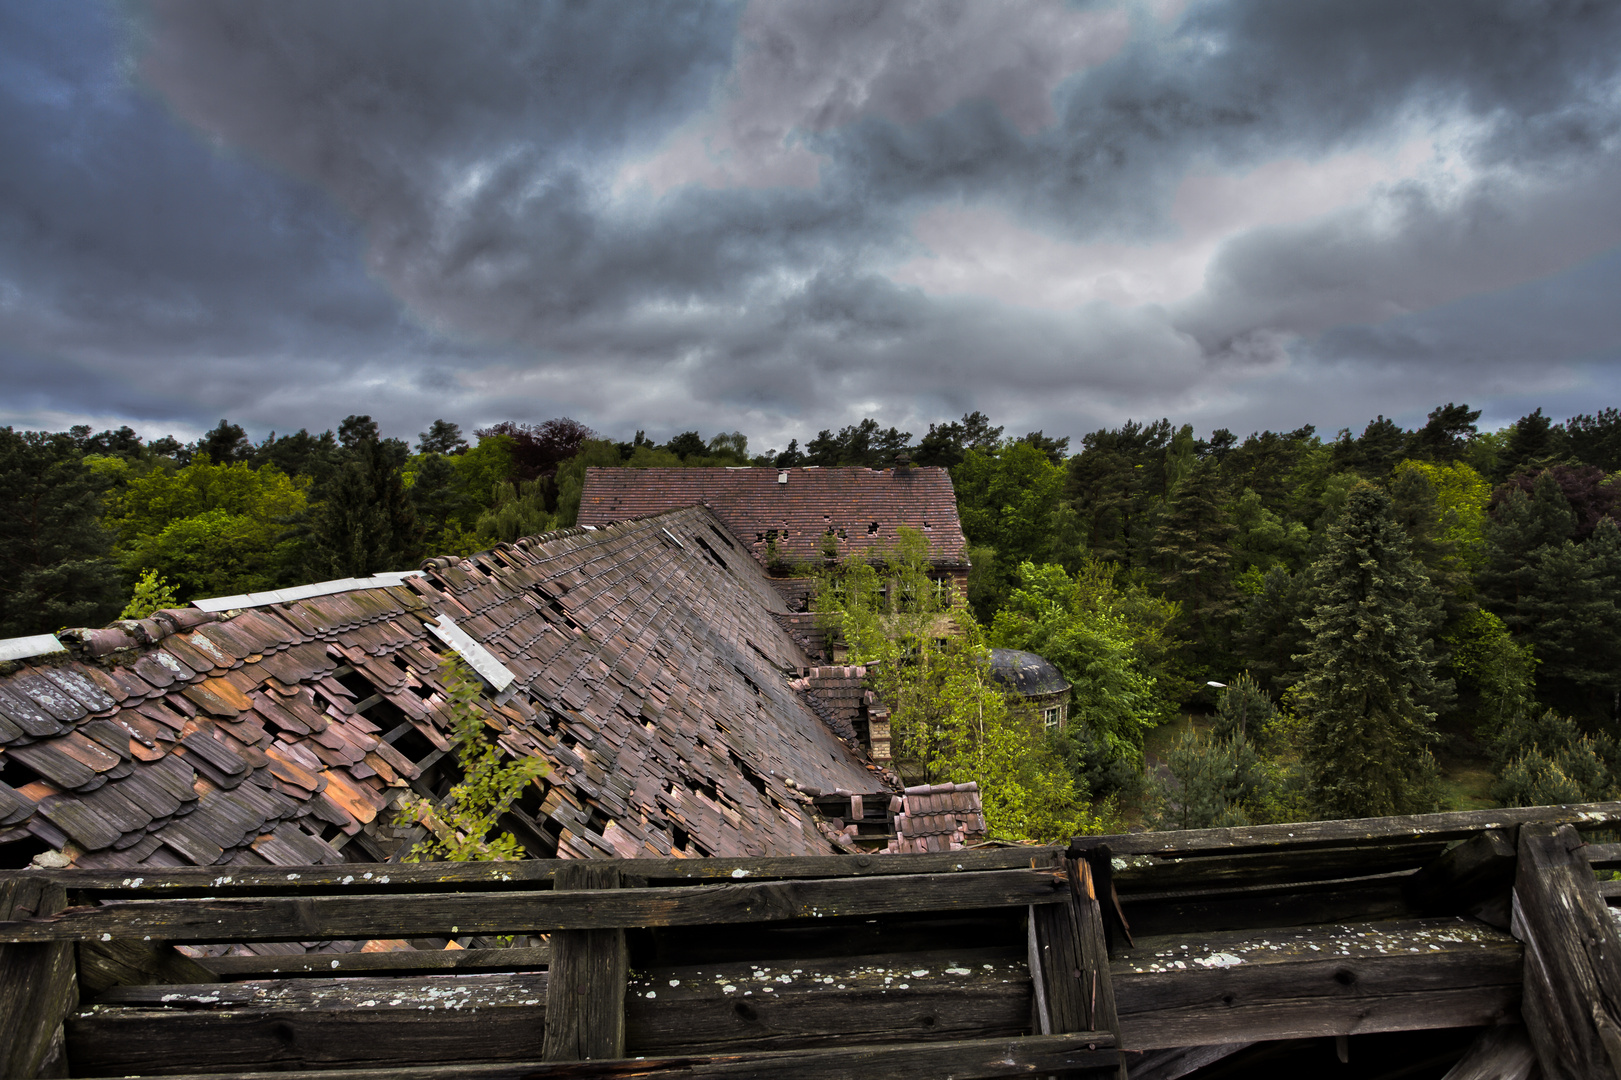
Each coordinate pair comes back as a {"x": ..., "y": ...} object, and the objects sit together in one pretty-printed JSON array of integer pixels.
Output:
[
  {"x": 1218, "y": 782},
  {"x": 1103, "y": 639},
  {"x": 217, "y": 553},
  {"x": 480, "y": 469},
  {"x": 54, "y": 565},
  {"x": 650, "y": 457},
  {"x": 155, "y": 499},
  {"x": 1496, "y": 674},
  {"x": 949, "y": 720},
  {"x": 152, "y": 593},
  {"x": 1461, "y": 495},
  {"x": 1244, "y": 710},
  {"x": 518, "y": 510},
  {"x": 1369, "y": 681},
  {"x": 1545, "y": 759},
  {"x": 459, "y": 829},
  {"x": 364, "y": 521}
]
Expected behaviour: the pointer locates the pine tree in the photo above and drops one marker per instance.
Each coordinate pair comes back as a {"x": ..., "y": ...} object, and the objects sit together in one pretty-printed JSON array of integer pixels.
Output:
[
  {"x": 54, "y": 565},
  {"x": 364, "y": 521},
  {"x": 1193, "y": 551},
  {"x": 1369, "y": 682}
]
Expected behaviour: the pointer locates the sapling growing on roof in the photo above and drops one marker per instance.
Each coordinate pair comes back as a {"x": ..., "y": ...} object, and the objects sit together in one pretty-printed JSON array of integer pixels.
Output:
[{"x": 459, "y": 828}]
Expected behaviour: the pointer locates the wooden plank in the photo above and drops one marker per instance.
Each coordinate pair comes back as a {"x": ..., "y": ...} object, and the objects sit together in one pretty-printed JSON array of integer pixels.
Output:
[
  {"x": 37, "y": 987},
  {"x": 1309, "y": 834},
  {"x": 1097, "y": 982},
  {"x": 1196, "y": 989},
  {"x": 782, "y": 1004},
  {"x": 585, "y": 1010},
  {"x": 1603, "y": 856},
  {"x": 1309, "y": 904},
  {"x": 416, "y": 915},
  {"x": 533, "y": 873},
  {"x": 309, "y": 1024},
  {"x": 1498, "y": 1053},
  {"x": 1572, "y": 957},
  {"x": 1154, "y": 873},
  {"x": 960, "y": 1060},
  {"x": 1465, "y": 875},
  {"x": 1179, "y": 1061},
  {"x": 133, "y": 963},
  {"x": 434, "y": 992},
  {"x": 403, "y": 962}
]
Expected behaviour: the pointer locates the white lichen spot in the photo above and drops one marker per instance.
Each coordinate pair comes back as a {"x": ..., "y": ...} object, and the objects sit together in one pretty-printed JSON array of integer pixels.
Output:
[
  {"x": 675, "y": 982},
  {"x": 740, "y": 873},
  {"x": 729, "y": 988},
  {"x": 334, "y": 963},
  {"x": 958, "y": 971},
  {"x": 920, "y": 972},
  {"x": 650, "y": 994},
  {"x": 106, "y": 937},
  {"x": 1218, "y": 960}
]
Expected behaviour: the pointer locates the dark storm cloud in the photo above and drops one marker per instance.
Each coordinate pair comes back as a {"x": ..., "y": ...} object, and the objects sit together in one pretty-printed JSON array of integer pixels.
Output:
[{"x": 780, "y": 216}]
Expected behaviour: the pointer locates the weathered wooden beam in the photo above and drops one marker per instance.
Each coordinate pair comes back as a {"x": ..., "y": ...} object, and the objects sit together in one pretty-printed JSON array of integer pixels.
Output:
[
  {"x": 1259, "y": 907},
  {"x": 1196, "y": 989},
  {"x": 403, "y": 962},
  {"x": 1155, "y": 873},
  {"x": 1603, "y": 856},
  {"x": 37, "y": 987},
  {"x": 532, "y": 873},
  {"x": 1498, "y": 1053},
  {"x": 585, "y": 1006},
  {"x": 1365, "y": 831},
  {"x": 951, "y": 993},
  {"x": 309, "y": 1024},
  {"x": 121, "y": 962},
  {"x": 1464, "y": 875},
  {"x": 415, "y": 915},
  {"x": 989, "y": 1058},
  {"x": 1572, "y": 957},
  {"x": 1175, "y": 1062}
]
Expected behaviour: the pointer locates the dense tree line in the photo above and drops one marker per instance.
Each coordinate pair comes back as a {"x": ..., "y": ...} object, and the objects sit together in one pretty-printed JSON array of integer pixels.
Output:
[{"x": 1370, "y": 600}]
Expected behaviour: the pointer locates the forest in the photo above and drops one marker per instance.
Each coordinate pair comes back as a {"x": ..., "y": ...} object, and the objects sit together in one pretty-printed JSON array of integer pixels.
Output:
[{"x": 1389, "y": 621}]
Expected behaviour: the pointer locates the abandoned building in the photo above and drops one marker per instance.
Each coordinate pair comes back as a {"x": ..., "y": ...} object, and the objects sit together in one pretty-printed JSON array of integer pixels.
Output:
[
  {"x": 1035, "y": 682},
  {"x": 203, "y": 875},
  {"x": 791, "y": 519}
]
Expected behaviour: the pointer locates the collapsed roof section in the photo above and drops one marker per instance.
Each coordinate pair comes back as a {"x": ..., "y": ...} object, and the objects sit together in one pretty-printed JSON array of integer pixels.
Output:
[
  {"x": 788, "y": 514},
  {"x": 646, "y": 669}
]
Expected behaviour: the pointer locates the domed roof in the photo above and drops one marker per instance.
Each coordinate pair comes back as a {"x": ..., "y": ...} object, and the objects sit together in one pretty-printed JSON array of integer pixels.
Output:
[{"x": 1026, "y": 673}]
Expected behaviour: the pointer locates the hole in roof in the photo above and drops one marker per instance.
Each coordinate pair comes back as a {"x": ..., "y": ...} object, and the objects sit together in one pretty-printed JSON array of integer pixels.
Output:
[
  {"x": 843, "y": 535},
  {"x": 727, "y": 540},
  {"x": 18, "y": 854},
  {"x": 679, "y": 838},
  {"x": 15, "y": 773},
  {"x": 872, "y": 528}
]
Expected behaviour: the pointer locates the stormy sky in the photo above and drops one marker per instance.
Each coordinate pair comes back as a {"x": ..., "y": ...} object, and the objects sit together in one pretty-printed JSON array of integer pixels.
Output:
[{"x": 781, "y": 216}]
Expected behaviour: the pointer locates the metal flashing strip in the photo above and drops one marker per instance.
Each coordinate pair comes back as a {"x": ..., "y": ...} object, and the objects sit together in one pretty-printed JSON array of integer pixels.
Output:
[
  {"x": 21, "y": 648},
  {"x": 303, "y": 592},
  {"x": 477, "y": 656}
]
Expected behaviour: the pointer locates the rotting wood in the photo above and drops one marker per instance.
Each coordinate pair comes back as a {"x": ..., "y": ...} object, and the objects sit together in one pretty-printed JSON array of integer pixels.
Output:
[
  {"x": 1366, "y": 831},
  {"x": 1096, "y": 981},
  {"x": 1498, "y": 1053},
  {"x": 876, "y": 998},
  {"x": 585, "y": 1006},
  {"x": 430, "y": 992},
  {"x": 988, "y": 1058},
  {"x": 309, "y": 1023},
  {"x": 1179, "y": 1061},
  {"x": 37, "y": 987},
  {"x": 121, "y": 962},
  {"x": 528, "y": 873},
  {"x": 402, "y": 962},
  {"x": 1572, "y": 957},
  {"x": 1465, "y": 875},
  {"x": 1311, "y": 904},
  {"x": 1192, "y": 989},
  {"x": 414, "y": 915},
  {"x": 1152, "y": 873}
]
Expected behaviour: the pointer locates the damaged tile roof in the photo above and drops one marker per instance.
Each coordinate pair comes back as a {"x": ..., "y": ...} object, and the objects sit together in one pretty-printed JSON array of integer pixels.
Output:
[
  {"x": 795, "y": 507},
  {"x": 938, "y": 817},
  {"x": 650, "y": 673}
]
